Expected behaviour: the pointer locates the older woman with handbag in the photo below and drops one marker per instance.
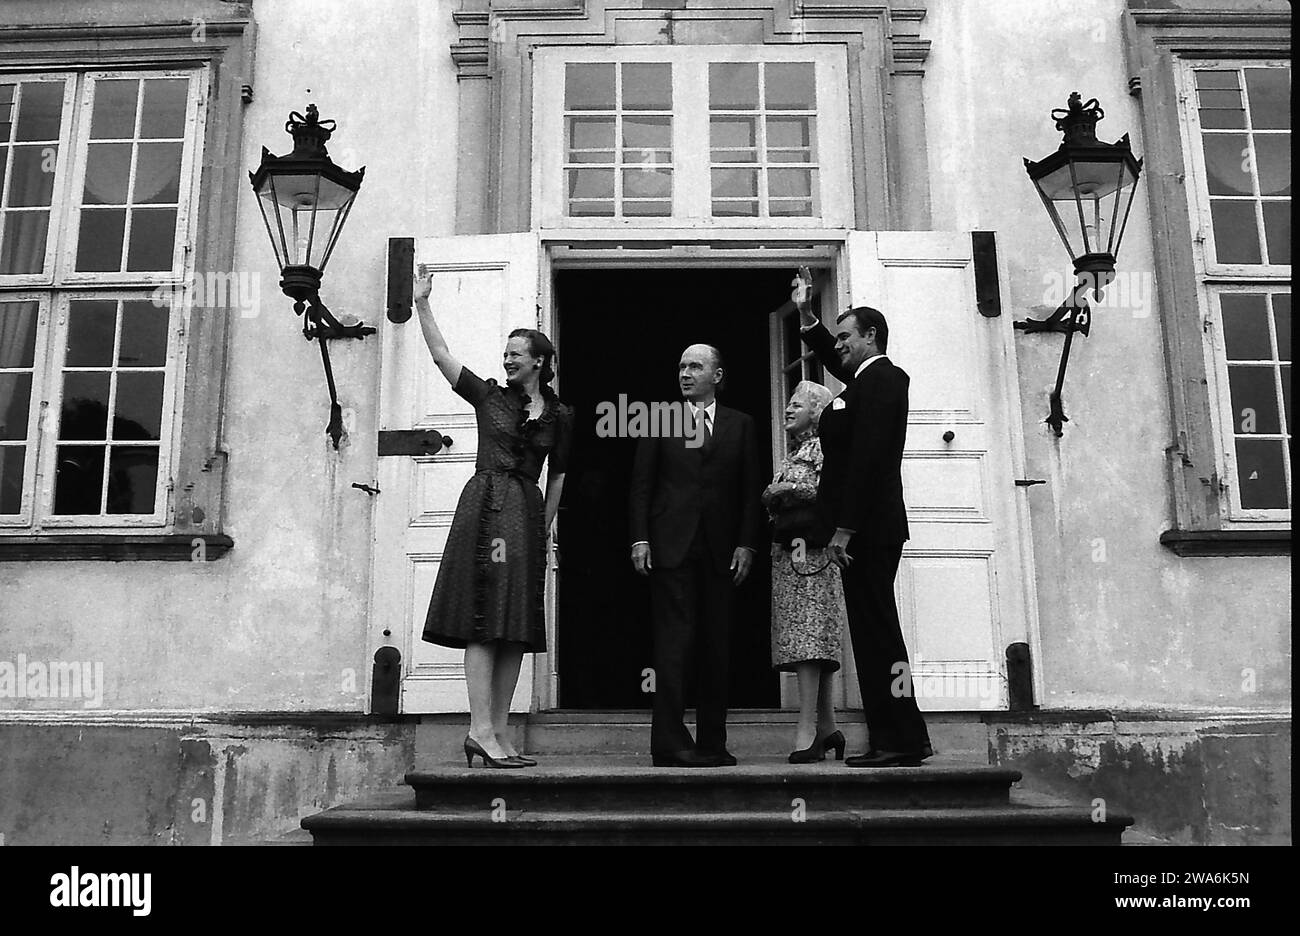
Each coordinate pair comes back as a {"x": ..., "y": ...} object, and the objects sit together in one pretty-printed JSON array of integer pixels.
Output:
[{"x": 807, "y": 596}]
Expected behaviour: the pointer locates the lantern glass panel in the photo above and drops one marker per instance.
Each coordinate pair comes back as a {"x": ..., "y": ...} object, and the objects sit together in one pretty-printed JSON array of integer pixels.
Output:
[
  {"x": 1093, "y": 220},
  {"x": 304, "y": 213}
]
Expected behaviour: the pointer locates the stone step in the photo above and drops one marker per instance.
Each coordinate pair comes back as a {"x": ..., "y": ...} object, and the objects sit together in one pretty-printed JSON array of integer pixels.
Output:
[
  {"x": 392, "y": 819},
  {"x": 612, "y": 783},
  {"x": 750, "y": 733}
]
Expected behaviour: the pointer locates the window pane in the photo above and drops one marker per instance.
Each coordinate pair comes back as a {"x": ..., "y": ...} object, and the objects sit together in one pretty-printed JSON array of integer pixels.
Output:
[
  {"x": 40, "y": 110},
  {"x": 18, "y": 328},
  {"x": 1219, "y": 97},
  {"x": 790, "y": 133},
  {"x": 591, "y": 209},
  {"x": 1282, "y": 324},
  {"x": 647, "y": 183},
  {"x": 6, "y": 109},
  {"x": 647, "y": 87},
  {"x": 728, "y": 183},
  {"x": 85, "y": 405},
  {"x": 790, "y": 86},
  {"x": 13, "y": 459},
  {"x": 789, "y": 183},
  {"x": 733, "y": 132},
  {"x": 32, "y": 181},
  {"x": 153, "y": 235},
  {"x": 648, "y": 132},
  {"x": 114, "y": 112},
  {"x": 91, "y": 324},
  {"x": 1273, "y": 163},
  {"x": 790, "y": 208},
  {"x": 165, "y": 100},
  {"x": 735, "y": 209},
  {"x": 80, "y": 479},
  {"x": 647, "y": 209},
  {"x": 1236, "y": 238},
  {"x": 1227, "y": 164},
  {"x": 1277, "y": 230},
  {"x": 589, "y": 87},
  {"x": 15, "y": 405},
  {"x": 99, "y": 244},
  {"x": 108, "y": 171},
  {"x": 138, "y": 406},
  {"x": 132, "y": 479},
  {"x": 22, "y": 243},
  {"x": 1245, "y": 327},
  {"x": 592, "y": 133},
  {"x": 1286, "y": 397},
  {"x": 1269, "y": 90},
  {"x": 591, "y": 183},
  {"x": 733, "y": 86},
  {"x": 1261, "y": 474},
  {"x": 144, "y": 335},
  {"x": 158, "y": 173},
  {"x": 1254, "y": 399}
]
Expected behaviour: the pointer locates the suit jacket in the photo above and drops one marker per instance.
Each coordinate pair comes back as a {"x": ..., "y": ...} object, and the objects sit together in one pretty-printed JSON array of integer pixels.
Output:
[
  {"x": 861, "y": 487},
  {"x": 676, "y": 488}
]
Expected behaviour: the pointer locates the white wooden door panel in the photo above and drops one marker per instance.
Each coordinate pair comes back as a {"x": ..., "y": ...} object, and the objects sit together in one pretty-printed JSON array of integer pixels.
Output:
[{"x": 958, "y": 589}]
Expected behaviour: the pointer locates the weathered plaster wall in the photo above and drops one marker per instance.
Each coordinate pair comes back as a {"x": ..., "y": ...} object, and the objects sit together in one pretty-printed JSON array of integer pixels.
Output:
[
  {"x": 178, "y": 783},
  {"x": 280, "y": 622},
  {"x": 1124, "y": 621}
]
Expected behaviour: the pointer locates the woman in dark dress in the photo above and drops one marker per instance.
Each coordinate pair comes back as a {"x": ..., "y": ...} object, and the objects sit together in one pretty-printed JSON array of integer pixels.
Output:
[{"x": 488, "y": 595}]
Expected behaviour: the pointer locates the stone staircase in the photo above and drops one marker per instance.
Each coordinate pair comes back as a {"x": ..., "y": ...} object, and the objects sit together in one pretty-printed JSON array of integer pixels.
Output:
[{"x": 595, "y": 785}]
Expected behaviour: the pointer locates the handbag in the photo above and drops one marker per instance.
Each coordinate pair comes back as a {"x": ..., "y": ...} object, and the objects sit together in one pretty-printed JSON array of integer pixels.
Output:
[{"x": 800, "y": 522}]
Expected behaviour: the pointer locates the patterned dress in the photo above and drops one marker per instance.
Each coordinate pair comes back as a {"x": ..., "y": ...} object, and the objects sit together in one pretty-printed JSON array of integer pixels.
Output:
[
  {"x": 492, "y": 575},
  {"x": 807, "y": 595}
]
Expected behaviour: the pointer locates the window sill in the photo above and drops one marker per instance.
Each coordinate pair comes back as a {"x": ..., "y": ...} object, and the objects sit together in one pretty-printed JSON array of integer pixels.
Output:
[
  {"x": 1228, "y": 542},
  {"x": 159, "y": 547}
]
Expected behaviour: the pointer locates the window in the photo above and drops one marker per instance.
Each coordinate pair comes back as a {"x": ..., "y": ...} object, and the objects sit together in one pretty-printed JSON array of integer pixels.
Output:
[
  {"x": 762, "y": 139},
  {"x": 619, "y": 139},
  {"x": 1238, "y": 140},
  {"x": 714, "y": 135},
  {"x": 97, "y": 171}
]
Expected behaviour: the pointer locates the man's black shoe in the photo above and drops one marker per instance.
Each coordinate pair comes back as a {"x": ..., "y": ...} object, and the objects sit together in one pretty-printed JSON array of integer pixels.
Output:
[
  {"x": 720, "y": 758},
  {"x": 685, "y": 759},
  {"x": 887, "y": 759}
]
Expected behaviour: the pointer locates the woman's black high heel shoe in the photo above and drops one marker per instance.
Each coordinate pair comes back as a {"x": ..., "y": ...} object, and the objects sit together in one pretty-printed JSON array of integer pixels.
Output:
[
  {"x": 835, "y": 740},
  {"x": 472, "y": 748},
  {"x": 811, "y": 754}
]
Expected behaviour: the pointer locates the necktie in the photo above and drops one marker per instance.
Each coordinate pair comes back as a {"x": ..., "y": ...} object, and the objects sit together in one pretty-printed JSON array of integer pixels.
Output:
[{"x": 708, "y": 430}]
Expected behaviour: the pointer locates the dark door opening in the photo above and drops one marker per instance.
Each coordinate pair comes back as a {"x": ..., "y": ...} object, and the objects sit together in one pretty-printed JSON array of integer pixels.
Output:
[{"x": 623, "y": 331}]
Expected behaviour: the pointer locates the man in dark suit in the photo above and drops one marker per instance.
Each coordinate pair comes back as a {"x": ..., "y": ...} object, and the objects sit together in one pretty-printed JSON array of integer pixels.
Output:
[
  {"x": 694, "y": 525},
  {"x": 861, "y": 495}
]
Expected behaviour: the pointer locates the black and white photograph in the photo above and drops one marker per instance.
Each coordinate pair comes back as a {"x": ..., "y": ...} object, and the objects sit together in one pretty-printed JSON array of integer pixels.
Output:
[{"x": 646, "y": 422}]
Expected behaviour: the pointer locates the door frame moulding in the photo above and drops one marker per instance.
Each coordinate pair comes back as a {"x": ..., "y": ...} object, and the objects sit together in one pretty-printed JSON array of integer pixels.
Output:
[{"x": 494, "y": 66}]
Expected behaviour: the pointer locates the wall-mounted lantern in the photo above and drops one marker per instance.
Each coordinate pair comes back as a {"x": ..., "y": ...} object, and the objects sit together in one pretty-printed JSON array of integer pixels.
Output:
[
  {"x": 1087, "y": 188},
  {"x": 305, "y": 200}
]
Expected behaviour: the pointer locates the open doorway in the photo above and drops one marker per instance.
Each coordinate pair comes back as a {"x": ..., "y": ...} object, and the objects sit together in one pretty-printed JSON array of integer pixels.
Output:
[{"x": 622, "y": 332}]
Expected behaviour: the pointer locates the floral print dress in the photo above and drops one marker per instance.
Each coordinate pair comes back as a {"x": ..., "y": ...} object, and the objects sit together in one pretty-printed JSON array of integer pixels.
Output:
[{"x": 807, "y": 595}]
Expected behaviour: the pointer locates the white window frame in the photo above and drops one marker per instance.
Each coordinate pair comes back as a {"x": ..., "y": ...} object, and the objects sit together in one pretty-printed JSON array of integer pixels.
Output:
[
  {"x": 61, "y": 284},
  {"x": 692, "y": 202},
  {"x": 40, "y": 371},
  {"x": 185, "y": 208},
  {"x": 1216, "y": 278},
  {"x": 59, "y": 197}
]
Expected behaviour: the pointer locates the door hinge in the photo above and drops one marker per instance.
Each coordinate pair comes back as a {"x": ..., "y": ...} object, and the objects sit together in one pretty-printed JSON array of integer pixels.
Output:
[{"x": 1029, "y": 482}]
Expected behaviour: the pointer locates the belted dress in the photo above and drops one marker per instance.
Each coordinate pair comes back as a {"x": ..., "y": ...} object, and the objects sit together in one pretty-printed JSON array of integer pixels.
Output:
[{"x": 491, "y": 578}]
